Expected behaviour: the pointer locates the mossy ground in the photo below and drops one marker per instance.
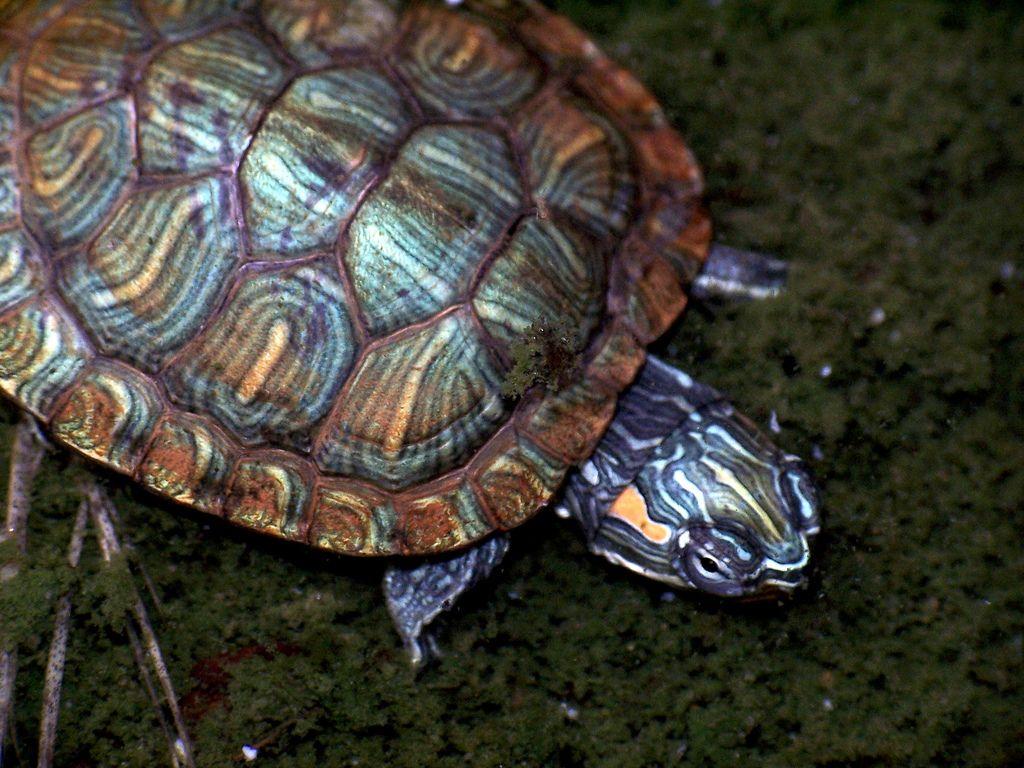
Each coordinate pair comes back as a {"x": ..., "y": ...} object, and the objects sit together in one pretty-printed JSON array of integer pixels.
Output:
[{"x": 876, "y": 145}]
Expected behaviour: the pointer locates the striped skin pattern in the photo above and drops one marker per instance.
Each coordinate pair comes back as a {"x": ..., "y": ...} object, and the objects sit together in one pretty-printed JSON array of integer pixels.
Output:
[
  {"x": 273, "y": 259},
  {"x": 685, "y": 490}
]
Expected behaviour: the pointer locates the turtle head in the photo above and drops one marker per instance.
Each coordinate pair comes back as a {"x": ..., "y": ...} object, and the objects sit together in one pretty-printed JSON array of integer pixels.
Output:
[{"x": 716, "y": 507}]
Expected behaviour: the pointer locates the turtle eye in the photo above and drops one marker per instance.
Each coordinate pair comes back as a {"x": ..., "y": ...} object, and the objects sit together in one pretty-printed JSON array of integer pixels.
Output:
[{"x": 718, "y": 561}]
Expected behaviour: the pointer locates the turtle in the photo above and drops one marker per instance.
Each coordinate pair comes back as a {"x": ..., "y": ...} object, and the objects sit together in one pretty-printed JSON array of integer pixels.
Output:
[{"x": 378, "y": 277}]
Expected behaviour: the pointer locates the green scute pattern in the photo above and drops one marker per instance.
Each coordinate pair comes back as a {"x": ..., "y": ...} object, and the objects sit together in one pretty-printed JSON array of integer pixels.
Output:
[
  {"x": 156, "y": 273},
  {"x": 415, "y": 244},
  {"x": 317, "y": 153}
]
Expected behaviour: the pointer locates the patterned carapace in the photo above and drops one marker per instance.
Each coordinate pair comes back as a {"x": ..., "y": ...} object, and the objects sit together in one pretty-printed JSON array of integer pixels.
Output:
[{"x": 272, "y": 259}]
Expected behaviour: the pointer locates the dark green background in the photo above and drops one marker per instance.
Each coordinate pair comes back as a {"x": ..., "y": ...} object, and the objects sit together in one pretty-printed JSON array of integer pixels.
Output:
[{"x": 877, "y": 145}]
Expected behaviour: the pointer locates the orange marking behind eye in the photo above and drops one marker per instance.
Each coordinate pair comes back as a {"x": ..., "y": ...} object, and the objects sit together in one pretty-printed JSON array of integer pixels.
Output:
[{"x": 631, "y": 507}]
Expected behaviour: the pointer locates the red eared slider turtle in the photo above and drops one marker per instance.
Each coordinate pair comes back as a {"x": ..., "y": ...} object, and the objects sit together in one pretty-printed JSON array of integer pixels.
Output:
[{"x": 377, "y": 277}]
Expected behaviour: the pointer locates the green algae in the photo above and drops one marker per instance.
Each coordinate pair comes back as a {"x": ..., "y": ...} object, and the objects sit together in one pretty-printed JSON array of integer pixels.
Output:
[{"x": 878, "y": 147}]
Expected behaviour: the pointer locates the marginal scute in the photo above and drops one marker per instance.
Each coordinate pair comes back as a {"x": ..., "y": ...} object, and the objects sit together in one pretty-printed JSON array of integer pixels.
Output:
[
  {"x": 270, "y": 364},
  {"x": 352, "y": 519},
  {"x": 319, "y": 148},
  {"x": 459, "y": 66},
  {"x": 270, "y": 492},
  {"x": 84, "y": 55},
  {"x": 41, "y": 353},
  {"x": 154, "y": 275},
  {"x": 417, "y": 240},
  {"x": 200, "y": 101},
  {"x": 109, "y": 416},
  {"x": 416, "y": 407},
  {"x": 180, "y": 18},
  {"x": 678, "y": 228},
  {"x": 547, "y": 273},
  {"x": 316, "y": 32},
  {"x": 76, "y": 172},
  {"x": 444, "y": 520},
  {"x": 655, "y": 298},
  {"x": 568, "y": 423},
  {"x": 579, "y": 164},
  {"x": 618, "y": 358},
  {"x": 188, "y": 461},
  {"x": 22, "y": 273},
  {"x": 515, "y": 479}
]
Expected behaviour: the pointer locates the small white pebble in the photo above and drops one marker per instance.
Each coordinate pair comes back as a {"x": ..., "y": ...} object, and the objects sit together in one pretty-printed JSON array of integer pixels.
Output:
[
  {"x": 668, "y": 596},
  {"x": 1007, "y": 270},
  {"x": 826, "y": 371},
  {"x": 773, "y": 423},
  {"x": 569, "y": 710},
  {"x": 827, "y": 704},
  {"x": 514, "y": 595},
  {"x": 816, "y": 453},
  {"x": 453, "y": 2},
  {"x": 877, "y": 316},
  {"x": 249, "y": 752}
]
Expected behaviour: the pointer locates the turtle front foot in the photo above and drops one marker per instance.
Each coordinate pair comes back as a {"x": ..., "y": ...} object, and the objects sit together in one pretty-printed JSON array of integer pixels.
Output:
[
  {"x": 418, "y": 593},
  {"x": 730, "y": 274}
]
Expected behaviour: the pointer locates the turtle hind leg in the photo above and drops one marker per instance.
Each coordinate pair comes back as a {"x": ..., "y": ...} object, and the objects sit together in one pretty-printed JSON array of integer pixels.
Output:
[
  {"x": 734, "y": 274},
  {"x": 418, "y": 593}
]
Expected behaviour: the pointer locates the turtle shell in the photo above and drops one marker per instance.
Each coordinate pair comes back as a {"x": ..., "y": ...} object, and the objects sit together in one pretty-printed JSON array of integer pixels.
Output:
[{"x": 275, "y": 260}]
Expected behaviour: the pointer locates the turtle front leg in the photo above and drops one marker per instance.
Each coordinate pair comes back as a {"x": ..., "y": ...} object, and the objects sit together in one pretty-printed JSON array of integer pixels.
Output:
[
  {"x": 418, "y": 593},
  {"x": 732, "y": 274}
]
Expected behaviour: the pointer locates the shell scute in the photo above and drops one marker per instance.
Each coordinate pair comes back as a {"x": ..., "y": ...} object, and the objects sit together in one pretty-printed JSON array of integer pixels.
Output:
[
  {"x": 317, "y": 33},
  {"x": 109, "y": 416},
  {"x": 459, "y": 66},
  {"x": 270, "y": 364},
  {"x": 443, "y": 520},
  {"x": 42, "y": 352},
  {"x": 416, "y": 242},
  {"x": 319, "y": 149},
  {"x": 349, "y": 517},
  {"x": 85, "y": 55},
  {"x": 515, "y": 479},
  {"x": 200, "y": 100},
  {"x": 76, "y": 172},
  {"x": 558, "y": 277},
  {"x": 188, "y": 461},
  {"x": 568, "y": 424},
  {"x": 271, "y": 492},
  {"x": 156, "y": 272},
  {"x": 8, "y": 189},
  {"x": 579, "y": 164},
  {"x": 179, "y": 18},
  {"x": 416, "y": 407},
  {"x": 22, "y": 273}
]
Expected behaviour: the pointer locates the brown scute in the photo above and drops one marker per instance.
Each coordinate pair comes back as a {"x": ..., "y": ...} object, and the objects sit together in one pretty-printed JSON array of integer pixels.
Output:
[
  {"x": 412, "y": 448},
  {"x": 350, "y": 517},
  {"x": 448, "y": 518},
  {"x": 514, "y": 479},
  {"x": 569, "y": 424},
  {"x": 188, "y": 461},
  {"x": 271, "y": 492}
]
